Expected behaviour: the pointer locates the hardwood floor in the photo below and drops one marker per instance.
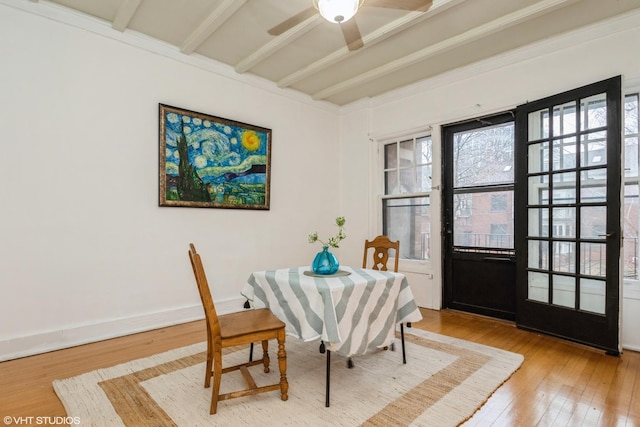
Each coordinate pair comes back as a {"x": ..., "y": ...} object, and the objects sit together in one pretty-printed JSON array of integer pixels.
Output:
[{"x": 559, "y": 383}]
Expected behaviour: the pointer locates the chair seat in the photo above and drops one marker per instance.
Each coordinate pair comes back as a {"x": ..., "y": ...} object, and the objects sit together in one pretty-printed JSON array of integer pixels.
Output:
[{"x": 248, "y": 322}]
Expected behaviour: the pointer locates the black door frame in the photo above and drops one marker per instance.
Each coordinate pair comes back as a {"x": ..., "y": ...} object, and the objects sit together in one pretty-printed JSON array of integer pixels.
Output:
[
  {"x": 600, "y": 331},
  {"x": 476, "y": 264}
]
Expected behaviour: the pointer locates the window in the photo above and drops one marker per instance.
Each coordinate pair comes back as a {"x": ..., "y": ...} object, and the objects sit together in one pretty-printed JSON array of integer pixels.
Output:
[
  {"x": 631, "y": 185},
  {"x": 406, "y": 205},
  {"x": 483, "y": 182},
  {"x": 499, "y": 202}
]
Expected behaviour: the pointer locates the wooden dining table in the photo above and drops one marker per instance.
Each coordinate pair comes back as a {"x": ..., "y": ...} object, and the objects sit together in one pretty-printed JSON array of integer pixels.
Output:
[{"x": 352, "y": 312}]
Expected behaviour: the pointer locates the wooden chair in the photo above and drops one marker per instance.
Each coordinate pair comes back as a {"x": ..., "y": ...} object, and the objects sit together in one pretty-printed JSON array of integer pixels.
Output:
[
  {"x": 381, "y": 246},
  {"x": 234, "y": 329}
]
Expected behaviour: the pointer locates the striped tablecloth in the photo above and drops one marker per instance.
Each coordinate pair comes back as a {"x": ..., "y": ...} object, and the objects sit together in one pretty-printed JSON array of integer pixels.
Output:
[{"x": 352, "y": 313}]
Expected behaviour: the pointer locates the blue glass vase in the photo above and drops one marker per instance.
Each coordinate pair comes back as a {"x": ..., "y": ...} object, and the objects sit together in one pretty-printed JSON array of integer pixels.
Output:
[{"x": 325, "y": 262}]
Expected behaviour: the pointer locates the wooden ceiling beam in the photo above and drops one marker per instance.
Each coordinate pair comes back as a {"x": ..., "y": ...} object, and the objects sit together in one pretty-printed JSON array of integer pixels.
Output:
[
  {"x": 407, "y": 21},
  {"x": 278, "y": 43},
  {"x": 125, "y": 12},
  {"x": 210, "y": 24},
  {"x": 540, "y": 8}
]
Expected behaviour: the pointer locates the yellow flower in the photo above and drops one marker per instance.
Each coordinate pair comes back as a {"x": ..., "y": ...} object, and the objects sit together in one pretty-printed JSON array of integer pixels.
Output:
[{"x": 251, "y": 140}]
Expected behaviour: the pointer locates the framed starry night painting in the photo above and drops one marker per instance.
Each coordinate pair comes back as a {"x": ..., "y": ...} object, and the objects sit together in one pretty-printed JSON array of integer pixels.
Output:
[{"x": 211, "y": 162}]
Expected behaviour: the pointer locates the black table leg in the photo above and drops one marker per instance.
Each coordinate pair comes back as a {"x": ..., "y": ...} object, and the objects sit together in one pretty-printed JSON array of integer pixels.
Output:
[
  {"x": 404, "y": 357},
  {"x": 328, "y": 378}
]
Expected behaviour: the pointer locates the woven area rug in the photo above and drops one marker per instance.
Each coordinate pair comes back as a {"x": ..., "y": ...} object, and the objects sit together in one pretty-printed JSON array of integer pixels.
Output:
[{"x": 443, "y": 383}]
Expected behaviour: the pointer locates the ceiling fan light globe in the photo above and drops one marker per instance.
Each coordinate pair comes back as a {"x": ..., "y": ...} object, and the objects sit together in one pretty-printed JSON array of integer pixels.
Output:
[{"x": 338, "y": 11}]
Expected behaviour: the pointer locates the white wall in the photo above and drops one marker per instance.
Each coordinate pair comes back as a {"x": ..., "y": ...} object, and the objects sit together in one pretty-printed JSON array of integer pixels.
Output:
[
  {"x": 85, "y": 252},
  {"x": 499, "y": 84}
]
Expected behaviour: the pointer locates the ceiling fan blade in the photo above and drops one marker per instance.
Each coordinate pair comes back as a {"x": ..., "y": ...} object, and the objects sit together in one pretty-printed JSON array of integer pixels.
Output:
[
  {"x": 417, "y": 5},
  {"x": 287, "y": 24},
  {"x": 351, "y": 34}
]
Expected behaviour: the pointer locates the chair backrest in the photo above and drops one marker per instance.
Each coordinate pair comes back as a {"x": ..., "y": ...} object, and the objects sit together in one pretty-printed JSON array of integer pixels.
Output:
[
  {"x": 381, "y": 246},
  {"x": 213, "y": 324}
]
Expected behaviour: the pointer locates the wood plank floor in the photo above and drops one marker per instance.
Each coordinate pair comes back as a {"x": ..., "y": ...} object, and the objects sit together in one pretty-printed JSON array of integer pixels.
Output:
[{"x": 559, "y": 383}]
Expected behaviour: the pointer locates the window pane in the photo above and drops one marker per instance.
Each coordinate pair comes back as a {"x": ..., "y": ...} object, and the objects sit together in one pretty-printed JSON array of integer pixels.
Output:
[
  {"x": 591, "y": 188},
  {"x": 593, "y": 149},
  {"x": 564, "y": 222},
  {"x": 538, "y": 286},
  {"x": 483, "y": 156},
  {"x": 485, "y": 226},
  {"x": 593, "y": 259},
  {"x": 564, "y": 291},
  {"x": 538, "y": 254},
  {"x": 538, "y": 222},
  {"x": 406, "y": 153},
  {"x": 391, "y": 156},
  {"x": 539, "y": 157},
  {"x": 391, "y": 184},
  {"x": 539, "y": 190},
  {"x": 592, "y": 295},
  {"x": 539, "y": 125},
  {"x": 564, "y": 188},
  {"x": 631, "y": 157},
  {"x": 409, "y": 220},
  {"x": 423, "y": 151},
  {"x": 564, "y": 257},
  {"x": 593, "y": 112},
  {"x": 564, "y": 153},
  {"x": 593, "y": 222},
  {"x": 631, "y": 114},
  {"x": 407, "y": 180},
  {"x": 423, "y": 178},
  {"x": 564, "y": 119},
  {"x": 631, "y": 231}
]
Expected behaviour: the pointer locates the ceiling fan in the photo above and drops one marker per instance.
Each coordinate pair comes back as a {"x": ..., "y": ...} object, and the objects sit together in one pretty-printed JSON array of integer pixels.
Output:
[{"x": 341, "y": 12}]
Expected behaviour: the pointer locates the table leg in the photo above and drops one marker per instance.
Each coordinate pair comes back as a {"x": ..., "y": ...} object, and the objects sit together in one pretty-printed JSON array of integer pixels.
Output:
[
  {"x": 404, "y": 357},
  {"x": 328, "y": 378}
]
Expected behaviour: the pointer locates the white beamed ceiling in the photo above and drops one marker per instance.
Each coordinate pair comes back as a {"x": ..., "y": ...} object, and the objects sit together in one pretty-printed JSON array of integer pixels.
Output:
[{"x": 400, "y": 47}]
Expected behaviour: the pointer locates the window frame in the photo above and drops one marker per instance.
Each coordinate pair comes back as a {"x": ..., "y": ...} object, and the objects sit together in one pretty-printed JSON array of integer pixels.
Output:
[
  {"x": 630, "y": 283},
  {"x": 408, "y": 264}
]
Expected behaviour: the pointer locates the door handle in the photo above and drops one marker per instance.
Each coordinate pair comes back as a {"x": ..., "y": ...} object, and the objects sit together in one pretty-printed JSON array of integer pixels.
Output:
[{"x": 607, "y": 235}]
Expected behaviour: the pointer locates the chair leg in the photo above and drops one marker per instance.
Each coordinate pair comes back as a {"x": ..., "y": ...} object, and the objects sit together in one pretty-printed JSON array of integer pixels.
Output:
[
  {"x": 282, "y": 364},
  {"x": 265, "y": 355},
  {"x": 209, "y": 367},
  {"x": 207, "y": 373},
  {"x": 217, "y": 376}
]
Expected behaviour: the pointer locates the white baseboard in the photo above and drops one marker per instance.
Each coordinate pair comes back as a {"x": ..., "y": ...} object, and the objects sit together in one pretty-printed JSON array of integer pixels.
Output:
[{"x": 43, "y": 342}]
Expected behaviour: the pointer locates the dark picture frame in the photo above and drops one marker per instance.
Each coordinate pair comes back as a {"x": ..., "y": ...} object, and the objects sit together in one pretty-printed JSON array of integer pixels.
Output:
[{"x": 212, "y": 162}]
